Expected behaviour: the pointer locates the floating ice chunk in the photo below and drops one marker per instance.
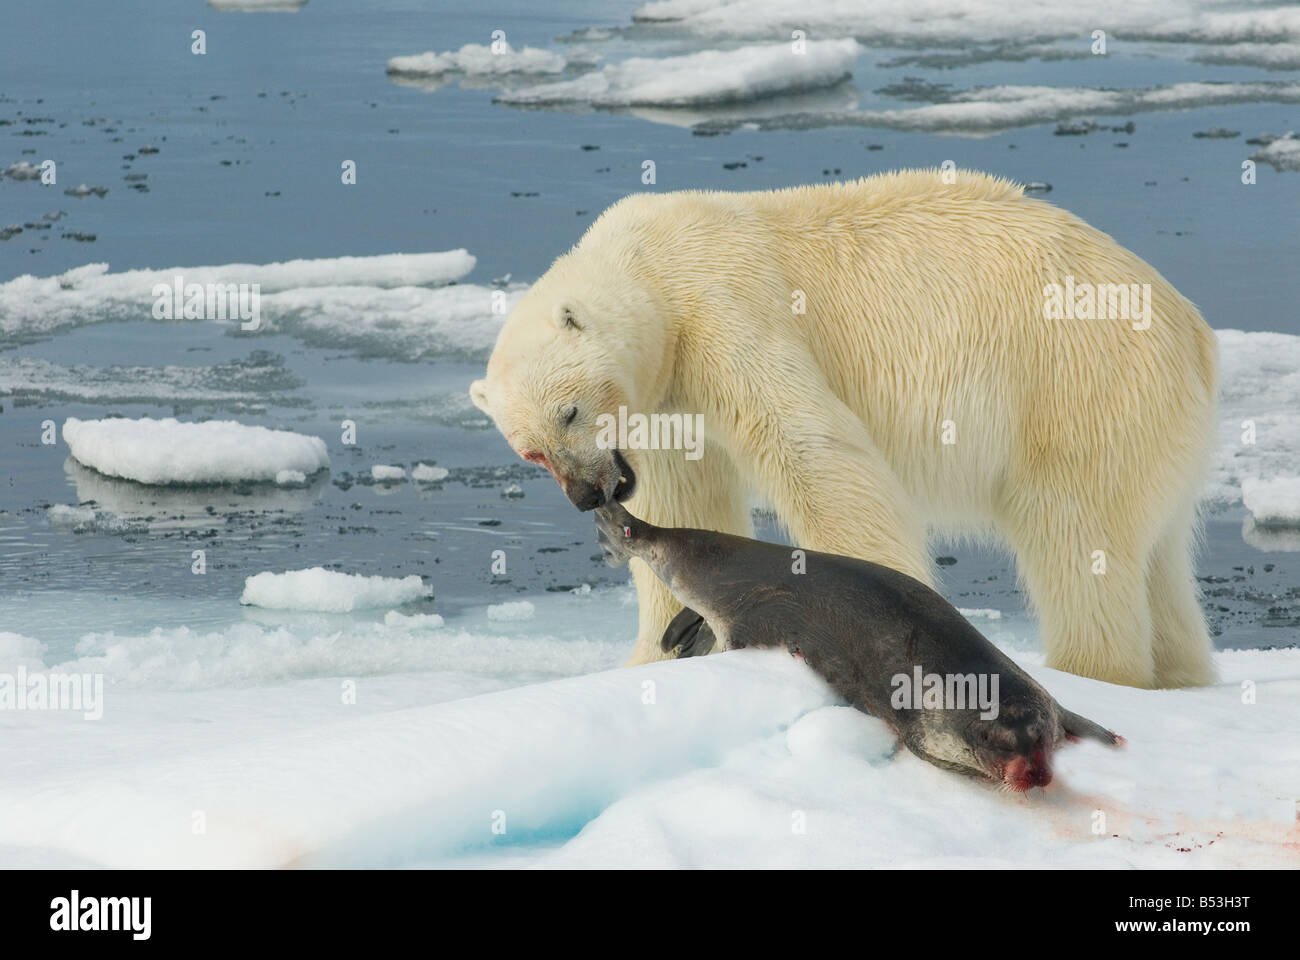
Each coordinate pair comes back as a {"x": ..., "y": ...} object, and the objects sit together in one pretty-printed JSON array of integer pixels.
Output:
[
  {"x": 90, "y": 294},
  {"x": 427, "y": 474},
  {"x": 980, "y": 613},
  {"x": 988, "y": 110},
  {"x": 1282, "y": 153},
  {"x": 1273, "y": 503},
  {"x": 474, "y": 59},
  {"x": 328, "y": 591},
  {"x": 290, "y": 478},
  {"x": 22, "y": 170},
  {"x": 1259, "y": 411},
  {"x": 707, "y": 77},
  {"x": 513, "y": 491},
  {"x": 259, "y": 6},
  {"x": 237, "y": 384},
  {"x": 383, "y": 472},
  {"x": 416, "y": 621},
  {"x": 1270, "y": 56},
  {"x": 171, "y": 452},
  {"x": 916, "y": 23},
  {"x": 512, "y": 610},
  {"x": 84, "y": 519}
]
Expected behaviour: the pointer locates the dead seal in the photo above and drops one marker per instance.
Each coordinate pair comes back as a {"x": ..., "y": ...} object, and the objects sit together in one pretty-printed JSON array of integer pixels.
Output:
[{"x": 871, "y": 632}]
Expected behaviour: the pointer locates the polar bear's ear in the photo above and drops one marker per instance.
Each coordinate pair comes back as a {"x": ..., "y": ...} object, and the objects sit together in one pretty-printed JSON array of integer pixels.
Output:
[
  {"x": 478, "y": 393},
  {"x": 566, "y": 316}
]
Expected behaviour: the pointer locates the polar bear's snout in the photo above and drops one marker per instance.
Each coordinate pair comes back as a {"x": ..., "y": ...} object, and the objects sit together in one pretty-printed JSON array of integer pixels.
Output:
[{"x": 612, "y": 479}]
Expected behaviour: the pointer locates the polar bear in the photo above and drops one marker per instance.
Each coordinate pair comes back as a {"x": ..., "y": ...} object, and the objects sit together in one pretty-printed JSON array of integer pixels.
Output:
[{"x": 907, "y": 353}]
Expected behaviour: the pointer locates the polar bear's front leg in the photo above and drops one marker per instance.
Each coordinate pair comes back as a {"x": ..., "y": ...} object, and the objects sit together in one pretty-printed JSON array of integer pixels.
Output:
[
  {"x": 831, "y": 486},
  {"x": 672, "y": 491}
]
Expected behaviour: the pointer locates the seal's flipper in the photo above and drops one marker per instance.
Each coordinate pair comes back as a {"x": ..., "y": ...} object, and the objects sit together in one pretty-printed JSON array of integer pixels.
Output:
[
  {"x": 689, "y": 633},
  {"x": 1076, "y": 726}
]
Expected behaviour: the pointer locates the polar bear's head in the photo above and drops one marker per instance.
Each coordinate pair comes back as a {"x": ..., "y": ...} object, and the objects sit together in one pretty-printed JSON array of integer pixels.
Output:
[{"x": 581, "y": 343}]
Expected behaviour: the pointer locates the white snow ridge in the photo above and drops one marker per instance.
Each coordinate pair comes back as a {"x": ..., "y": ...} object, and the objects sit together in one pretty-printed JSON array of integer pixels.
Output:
[
  {"x": 169, "y": 451},
  {"x": 328, "y": 591}
]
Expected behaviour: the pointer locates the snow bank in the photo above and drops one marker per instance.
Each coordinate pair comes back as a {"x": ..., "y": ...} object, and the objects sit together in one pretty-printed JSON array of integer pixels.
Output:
[
  {"x": 329, "y": 591},
  {"x": 475, "y": 59},
  {"x": 1273, "y": 503},
  {"x": 742, "y": 759},
  {"x": 171, "y": 452},
  {"x": 707, "y": 77}
]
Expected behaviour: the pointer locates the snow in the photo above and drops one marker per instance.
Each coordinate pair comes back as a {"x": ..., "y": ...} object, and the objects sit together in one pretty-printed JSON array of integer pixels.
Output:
[
  {"x": 427, "y": 474},
  {"x": 172, "y": 452},
  {"x": 1273, "y": 502},
  {"x": 742, "y": 759},
  {"x": 290, "y": 478},
  {"x": 514, "y": 610},
  {"x": 709, "y": 76},
  {"x": 329, "y": 591},
  {"x": 477, "y": 60}
]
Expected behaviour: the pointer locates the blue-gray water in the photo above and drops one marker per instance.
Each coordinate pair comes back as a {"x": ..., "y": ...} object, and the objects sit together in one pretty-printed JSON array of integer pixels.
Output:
[{"x": 250, "y": 140}]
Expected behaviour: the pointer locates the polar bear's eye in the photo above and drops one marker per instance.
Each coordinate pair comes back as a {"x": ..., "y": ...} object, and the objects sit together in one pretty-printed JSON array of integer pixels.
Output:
[{"x": 568, "y": 415}]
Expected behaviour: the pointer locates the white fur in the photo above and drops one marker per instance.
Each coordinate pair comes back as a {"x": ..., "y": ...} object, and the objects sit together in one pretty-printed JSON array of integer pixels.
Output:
[{"x": 924, "y": 305}]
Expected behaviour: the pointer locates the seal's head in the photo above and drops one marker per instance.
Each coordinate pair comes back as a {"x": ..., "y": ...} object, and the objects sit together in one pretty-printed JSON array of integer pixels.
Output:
[
  {"x": 575, "y": 350},
  {"x": 1015, "y": 748}
]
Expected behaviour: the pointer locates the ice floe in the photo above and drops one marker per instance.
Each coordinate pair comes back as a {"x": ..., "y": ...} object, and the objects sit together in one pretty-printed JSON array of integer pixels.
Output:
[
  {"x": 706, "y": 77},
  {"x": 513, "y": 610},
  {"x": 1274, "y": 502},
  {"x": 478, "y": 60},
  {"x": 330, "y": 591},
  {"x": 174, "y": 452}
]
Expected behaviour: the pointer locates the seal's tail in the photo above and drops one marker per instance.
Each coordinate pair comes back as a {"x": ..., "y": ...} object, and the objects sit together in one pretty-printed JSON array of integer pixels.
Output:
[{"x": 1076, "y": 726}]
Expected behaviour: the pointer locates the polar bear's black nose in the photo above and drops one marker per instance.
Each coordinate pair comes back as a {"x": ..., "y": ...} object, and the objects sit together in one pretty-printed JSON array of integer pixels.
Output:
[{"x": 584, "y": 495}]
